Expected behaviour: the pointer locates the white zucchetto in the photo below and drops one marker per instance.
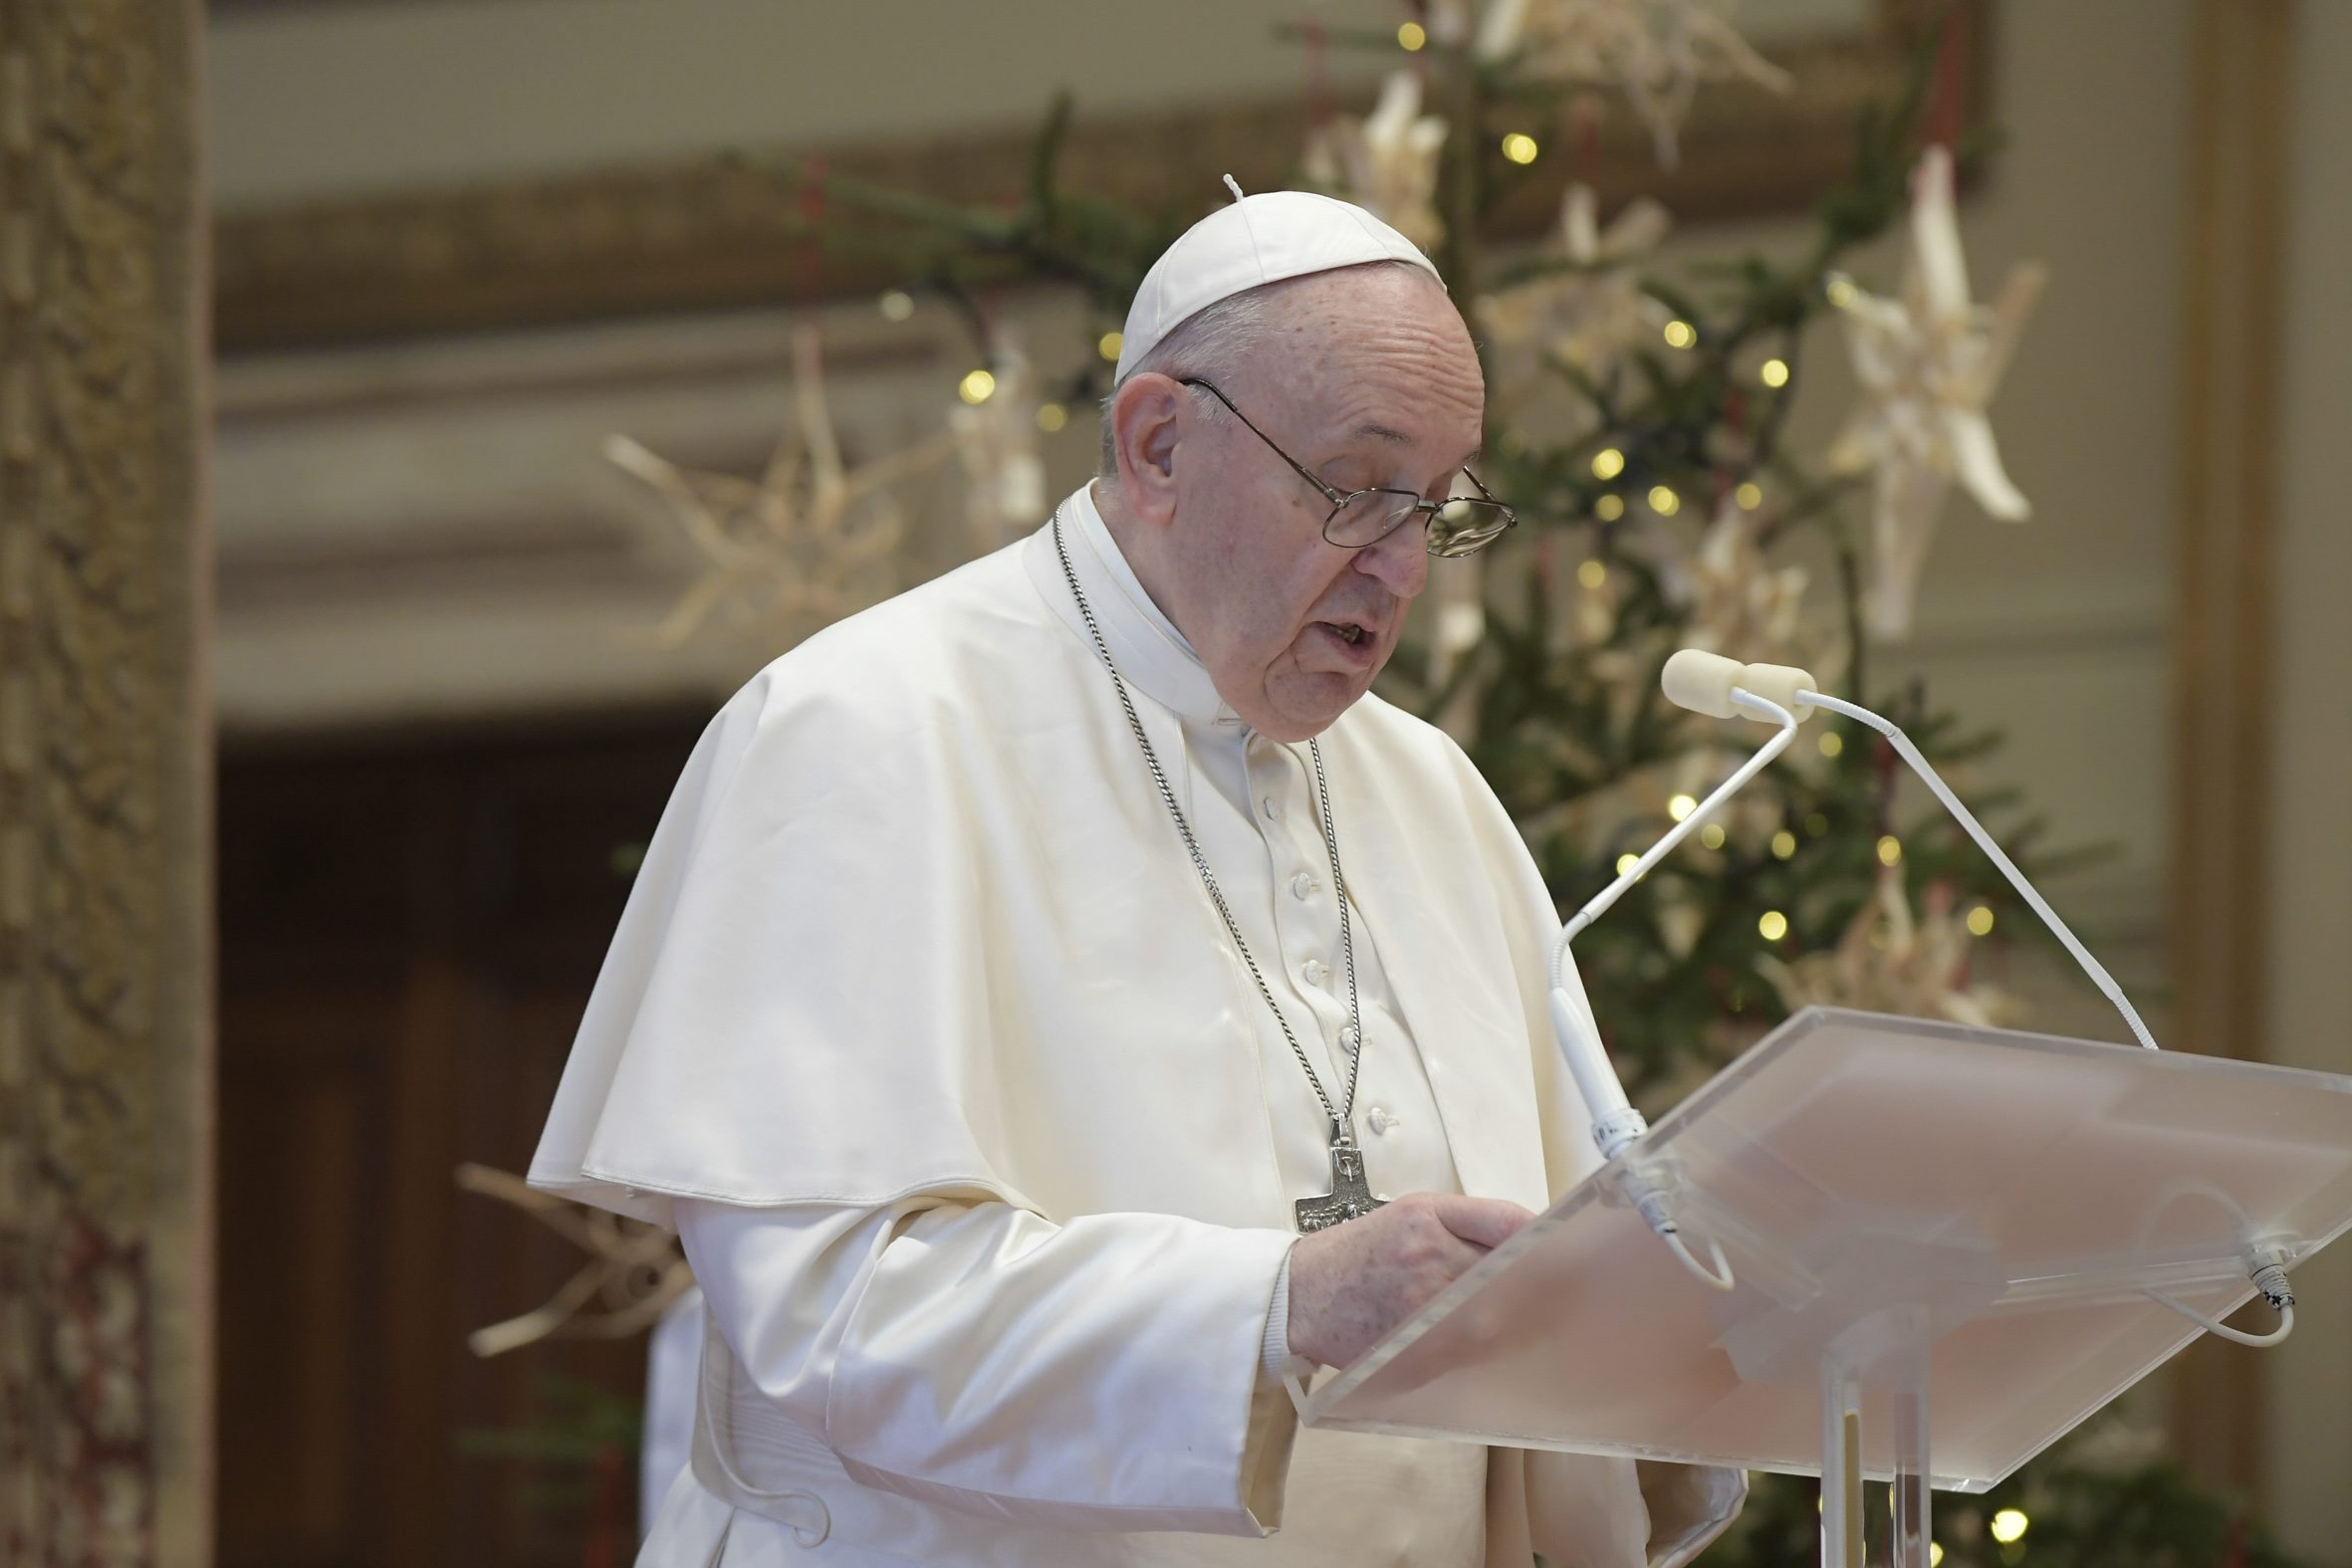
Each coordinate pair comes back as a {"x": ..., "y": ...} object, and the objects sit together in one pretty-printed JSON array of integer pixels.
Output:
[{"x": 1255, "y": 240}]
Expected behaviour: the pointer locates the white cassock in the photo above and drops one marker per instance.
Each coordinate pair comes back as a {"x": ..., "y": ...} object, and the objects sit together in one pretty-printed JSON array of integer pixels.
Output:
[{"x": 923, "y": 1032}]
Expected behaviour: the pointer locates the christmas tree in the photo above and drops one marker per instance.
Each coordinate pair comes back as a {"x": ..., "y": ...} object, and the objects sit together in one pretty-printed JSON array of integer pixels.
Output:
[{"x": 1638, "y": 423}]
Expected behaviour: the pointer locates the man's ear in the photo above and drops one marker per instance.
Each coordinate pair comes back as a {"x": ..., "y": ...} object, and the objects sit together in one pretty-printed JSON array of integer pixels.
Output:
[{"x": 1145, "y": 425}]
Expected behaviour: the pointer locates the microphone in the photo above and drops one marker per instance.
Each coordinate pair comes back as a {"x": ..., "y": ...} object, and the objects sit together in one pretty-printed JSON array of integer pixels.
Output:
[
  {"x": 1723, "y": 688},
  {"x": 1784, "y": 696},
  {"x": 1711, "y": 684},
  {"x": 1703, "y": 682}
]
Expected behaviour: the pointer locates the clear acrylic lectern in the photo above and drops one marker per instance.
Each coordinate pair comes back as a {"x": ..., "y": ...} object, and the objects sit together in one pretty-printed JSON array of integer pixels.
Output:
[{"x": 1943, "y": 1240}]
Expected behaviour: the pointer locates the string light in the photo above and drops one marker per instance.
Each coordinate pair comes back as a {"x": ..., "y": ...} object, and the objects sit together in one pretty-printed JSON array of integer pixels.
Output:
[
  {"x": 1681, "y": 334},
  {"x": 1831, "y": 743},
  {"x": 2008, "y": 1526},
  {"x": 1935, "y": 1554},
  {"x": 1411, "y": 37},
  {"x": 977, "y": 386},
  {"x": 1783, "y": 844},
  {"x": 1980, "y": 922},
  {"x": 1774, "y": 372},
  {"x": 1842, "y": 292},
  {"x": 1109, "y": 346},
  {"x": 897, "y": 305},
  {"x": 1679, "y": 806},
  {"x": 1750, "y": 495},
  {"x": 1816, "y": 825},
  {"x": 1610, "y": 507},
  {"x": 1520, "y": 148},
  {"x": 1712, "y": 836},
  {"x": 1593, "y": 574},
  {"x": 1890, "y": 851},
  {"x": 1773, "y": 924},
  {"x": 1608, "y": 463},
  {"x": 1664, "y": 502},
  {"x": 1052, "y": 417},
  {"x": 1627, "y": 862}
]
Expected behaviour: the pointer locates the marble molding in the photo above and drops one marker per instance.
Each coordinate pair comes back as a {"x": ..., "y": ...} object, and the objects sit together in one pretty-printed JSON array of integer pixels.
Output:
[{"x": 714, "y": 232}]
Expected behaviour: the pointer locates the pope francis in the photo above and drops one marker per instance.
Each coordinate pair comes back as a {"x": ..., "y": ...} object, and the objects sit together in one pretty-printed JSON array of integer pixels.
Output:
[{"x": 1061, "y": 999}]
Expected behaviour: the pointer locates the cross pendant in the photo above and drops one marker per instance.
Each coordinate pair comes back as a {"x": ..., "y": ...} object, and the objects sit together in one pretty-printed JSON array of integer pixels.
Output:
[{"x": 1351, "y": 1196}]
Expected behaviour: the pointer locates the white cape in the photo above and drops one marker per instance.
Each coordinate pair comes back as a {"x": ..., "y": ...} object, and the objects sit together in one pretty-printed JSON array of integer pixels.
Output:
[{"x": 915, "y": 922}]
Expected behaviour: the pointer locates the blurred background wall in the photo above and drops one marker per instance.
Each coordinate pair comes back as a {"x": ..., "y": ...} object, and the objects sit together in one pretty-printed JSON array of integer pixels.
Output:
[{"x": 444, "y": 714}]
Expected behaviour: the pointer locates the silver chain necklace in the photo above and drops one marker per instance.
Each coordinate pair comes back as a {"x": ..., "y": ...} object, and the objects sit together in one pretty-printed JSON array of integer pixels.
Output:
[{"x": 1351, "y": 1194}]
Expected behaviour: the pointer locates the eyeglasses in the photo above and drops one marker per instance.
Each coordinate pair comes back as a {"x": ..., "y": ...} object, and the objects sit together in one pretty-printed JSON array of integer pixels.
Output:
[{"x": 1458, "y": 525}]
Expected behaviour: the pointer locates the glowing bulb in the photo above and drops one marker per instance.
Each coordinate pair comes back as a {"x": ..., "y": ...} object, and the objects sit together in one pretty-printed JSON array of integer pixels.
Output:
[
  {"x": 897, "y": 305},
  {"x": 1980, "y": 922},
  {"x": 1774, "y": 372},
  {"x": 1816, "y": 825},
  {"x": 1890, "y": 851},
  {"x": 1935, "y": 1554},
  {"x": 1593, "y": 574},
  {"x": 1681, "y": 334},
  {"x": 1783, "y": 844},
  {"x": 1411, "y": 37},
  {"x": 1679, "y": 806},
  {"x": 1109, "y": 346},
  {"x": 1749, "y": 496},
  {"x": 1664, "y": 502},
  {"x": 1608, "y": 463},
  {"x": 1831, "y": 743},
  {"x": 2008, "y": 1526},
  {"x": 1626, "y": 863},
  {"x": 977, "y": 386},
  {"x": 1052, "y": 417},
  {"x": 1842, "y": 292},
  {"x": 1520, "y": 148},
  {"x": 1712, "y": 836},
  {"x": 1610, "y": 507},
  {"x": 1773, "y": 924}
]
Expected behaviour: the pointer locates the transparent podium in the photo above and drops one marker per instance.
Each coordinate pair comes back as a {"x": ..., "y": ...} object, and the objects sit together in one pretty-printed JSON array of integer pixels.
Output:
[{"x": 1948, "y": 1245}]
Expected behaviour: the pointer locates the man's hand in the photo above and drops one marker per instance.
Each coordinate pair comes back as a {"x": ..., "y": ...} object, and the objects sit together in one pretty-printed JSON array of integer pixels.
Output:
[{"x": 1352, "y": 1283}]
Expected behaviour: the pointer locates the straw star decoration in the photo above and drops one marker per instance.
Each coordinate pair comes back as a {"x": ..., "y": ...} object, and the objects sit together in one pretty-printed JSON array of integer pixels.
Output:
[
  {"x": 1656, "y": 51},
  {"x": 1594, "y": 313},
  {"x": 1742, "y": 606},
  {"x": 809, "y": 542},
  {"x": 1890, "y": 959},
  {"x": 632, "y": 1271},
  {"x": 1928, "y": 364},
  {"x": 1388, "y": 162}
]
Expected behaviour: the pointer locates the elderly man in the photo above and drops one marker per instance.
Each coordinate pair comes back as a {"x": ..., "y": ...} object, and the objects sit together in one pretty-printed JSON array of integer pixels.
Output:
[{"x": 1039, "y": 983}]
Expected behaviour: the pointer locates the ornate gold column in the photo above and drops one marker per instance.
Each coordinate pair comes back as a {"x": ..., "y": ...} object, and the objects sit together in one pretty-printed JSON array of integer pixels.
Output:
[
  {"x": 2221, "y": 653},
  {"x": 105, "y": 1069}
]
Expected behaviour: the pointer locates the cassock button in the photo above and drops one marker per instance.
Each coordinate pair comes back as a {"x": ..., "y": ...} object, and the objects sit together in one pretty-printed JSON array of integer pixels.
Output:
[
  {"x": 1303, "y": 886},
  {"x": 1274, "y": 808},
  {"x": 1381, "y": 1121},
  {"x": 1312, "y": 972}
]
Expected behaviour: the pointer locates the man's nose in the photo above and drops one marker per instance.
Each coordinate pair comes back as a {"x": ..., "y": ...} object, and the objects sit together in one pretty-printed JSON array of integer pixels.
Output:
[{"x": 1401, "y": 561}]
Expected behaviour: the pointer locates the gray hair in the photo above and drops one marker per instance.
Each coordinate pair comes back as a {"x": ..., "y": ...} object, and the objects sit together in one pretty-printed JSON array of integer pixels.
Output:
[{"x": 1210, "y": 344}]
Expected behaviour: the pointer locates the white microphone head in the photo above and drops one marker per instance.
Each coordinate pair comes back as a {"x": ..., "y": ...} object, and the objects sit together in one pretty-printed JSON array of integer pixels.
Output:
[
  {"x": 1702, "y": 682},
  {"x": 1779, "y": 683}
]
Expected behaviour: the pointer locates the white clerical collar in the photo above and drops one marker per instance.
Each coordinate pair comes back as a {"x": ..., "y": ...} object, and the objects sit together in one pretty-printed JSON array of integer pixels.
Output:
[{"x": 1150, "y": 652}]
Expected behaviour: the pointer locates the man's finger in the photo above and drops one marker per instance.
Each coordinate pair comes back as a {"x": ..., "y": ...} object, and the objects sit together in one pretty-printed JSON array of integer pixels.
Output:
[{"x": 1482, "y": 1222}]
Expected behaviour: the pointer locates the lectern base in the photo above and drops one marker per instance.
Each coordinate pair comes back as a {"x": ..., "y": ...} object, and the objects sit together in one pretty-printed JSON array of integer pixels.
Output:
[{"x": 1876, "y": 1371}]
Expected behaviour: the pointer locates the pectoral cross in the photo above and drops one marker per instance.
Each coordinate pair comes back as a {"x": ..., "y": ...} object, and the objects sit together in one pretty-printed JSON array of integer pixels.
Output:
[{"x": 1350, "y": 1197}]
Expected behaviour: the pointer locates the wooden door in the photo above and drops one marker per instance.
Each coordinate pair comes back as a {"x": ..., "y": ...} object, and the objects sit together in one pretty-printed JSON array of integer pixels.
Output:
[{"x": 410, "y": 929}]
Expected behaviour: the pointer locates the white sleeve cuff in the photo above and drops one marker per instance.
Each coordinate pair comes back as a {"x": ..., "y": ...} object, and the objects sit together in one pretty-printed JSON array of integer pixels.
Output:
[{"x": 1273, "y": 1352}]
